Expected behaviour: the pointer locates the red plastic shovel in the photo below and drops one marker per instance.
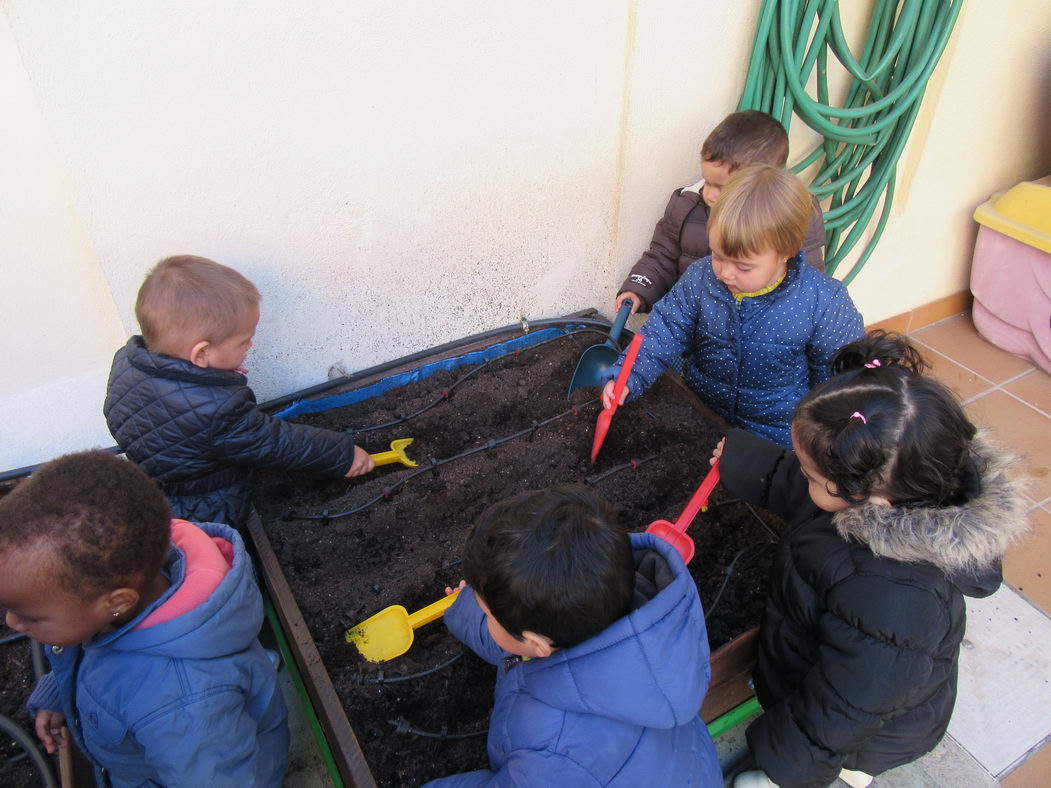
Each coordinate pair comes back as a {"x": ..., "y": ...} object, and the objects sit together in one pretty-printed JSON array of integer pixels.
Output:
[
  {"x": 675, "y": 533},
  {"x": 604, "y": 418}
]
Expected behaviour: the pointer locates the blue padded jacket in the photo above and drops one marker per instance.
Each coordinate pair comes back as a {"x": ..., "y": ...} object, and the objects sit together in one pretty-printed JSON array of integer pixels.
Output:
[
  {"x": 750, "y": 360},
  {"x": 619, "y": 709},
  {"x": 199, "y": 433},
  {"x": 192, "y": 701}
]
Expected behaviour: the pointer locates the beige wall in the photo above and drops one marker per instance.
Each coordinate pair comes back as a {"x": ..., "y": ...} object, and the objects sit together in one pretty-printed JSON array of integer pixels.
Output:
[{"x": 395, "y": 175}]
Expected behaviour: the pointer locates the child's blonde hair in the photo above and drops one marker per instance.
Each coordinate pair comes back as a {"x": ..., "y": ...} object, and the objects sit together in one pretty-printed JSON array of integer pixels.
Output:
[
  {"x": 762, "y": 207},
  {"x": 187, "y": 299}
]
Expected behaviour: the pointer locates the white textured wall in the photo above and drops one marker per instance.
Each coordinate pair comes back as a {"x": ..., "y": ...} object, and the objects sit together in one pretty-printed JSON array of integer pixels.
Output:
[
  {"x": 60, "y": 324},
  {"x": 395, "y": 175}
]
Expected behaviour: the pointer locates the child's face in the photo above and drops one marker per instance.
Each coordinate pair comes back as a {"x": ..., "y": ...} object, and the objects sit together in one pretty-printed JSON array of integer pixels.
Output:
[
  {"x": 716, "y": 174},
  {"x": 747, "y": 273},
  {"x": 39, "y": 607},
  {"x": 230, "y": 353},
  {"x": 821, "y": 488}
]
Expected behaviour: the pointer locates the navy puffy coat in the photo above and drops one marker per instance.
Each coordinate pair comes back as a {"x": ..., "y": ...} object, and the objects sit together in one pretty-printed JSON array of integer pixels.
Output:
[
  {"x": 199, "y": 433},
  {"x": 619, "y": 709},
  {"x": 193, "y": 701},
  {"x": 750, "y": 360}
]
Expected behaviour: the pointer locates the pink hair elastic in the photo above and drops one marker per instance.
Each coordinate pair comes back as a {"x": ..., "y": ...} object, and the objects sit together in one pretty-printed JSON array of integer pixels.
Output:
[
  {"x": 858, "y": 415},
  {"x": 872, "y": 364}
]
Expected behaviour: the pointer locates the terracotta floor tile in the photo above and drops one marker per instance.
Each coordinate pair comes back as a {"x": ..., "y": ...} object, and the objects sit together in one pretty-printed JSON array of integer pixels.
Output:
[
  {"x": 965, "y": 383},
  {"x": 898, "y": 323},
  {"x": 1034, "y": 773},
  {"x": 1027, "y": 566},
  {"x": 1022, "y": 429},
  {"x": 958, "y": 339},
  {"x": 1034, "y": 388},
  {"x": 941, "y": 309}
]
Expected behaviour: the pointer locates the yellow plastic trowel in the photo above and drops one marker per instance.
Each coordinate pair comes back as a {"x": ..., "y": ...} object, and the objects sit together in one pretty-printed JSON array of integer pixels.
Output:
[
  {"x": 389, "y": 633},
  {"x": 396, "y": 454}
]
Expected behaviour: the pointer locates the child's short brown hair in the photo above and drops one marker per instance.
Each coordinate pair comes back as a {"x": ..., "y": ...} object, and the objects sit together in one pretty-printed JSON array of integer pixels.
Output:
[
  {"x": 762, "y": 207},
  {"x": 749, "y": 137},
  {"x": 105, "y": 522},
  {"x": 187, "y": 298}
]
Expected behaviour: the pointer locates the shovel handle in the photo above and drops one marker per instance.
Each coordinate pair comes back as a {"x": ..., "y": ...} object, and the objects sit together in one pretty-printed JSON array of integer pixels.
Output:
[
  {"x": 435, "y": 610},
  {"x": 65, "y": 760},
  {"x": 699, "y": 500},
  {"x": 622, "y": 318},
  {"x": 625, "y": 372}
]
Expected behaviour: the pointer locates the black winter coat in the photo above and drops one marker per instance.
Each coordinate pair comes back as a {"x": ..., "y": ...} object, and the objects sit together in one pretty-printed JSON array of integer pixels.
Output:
[
  {"x": 860, "y": 638},
  {"x": 198, "y": 433}
]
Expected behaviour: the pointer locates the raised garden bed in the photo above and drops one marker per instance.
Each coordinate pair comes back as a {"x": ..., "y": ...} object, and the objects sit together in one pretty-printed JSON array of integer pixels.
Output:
[
  {"x": 405, "y": 547},
  {"x": 16, "y": 668}
]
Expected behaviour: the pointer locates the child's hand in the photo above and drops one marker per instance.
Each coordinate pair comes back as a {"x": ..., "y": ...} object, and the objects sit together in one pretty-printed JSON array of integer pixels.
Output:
[
  {"x": 717, "y": 452},
  {"x": 636, "y": 301},
  {"x": 49, "y": 729},
  {"x": 607, "y": 394},
  {"x": 461, "y": 587},
  {"x": 362, "y": 463}
]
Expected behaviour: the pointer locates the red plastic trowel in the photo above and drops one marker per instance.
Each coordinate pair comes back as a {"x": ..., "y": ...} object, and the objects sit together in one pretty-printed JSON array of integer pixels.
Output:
[{"x": 604, "y": 418}]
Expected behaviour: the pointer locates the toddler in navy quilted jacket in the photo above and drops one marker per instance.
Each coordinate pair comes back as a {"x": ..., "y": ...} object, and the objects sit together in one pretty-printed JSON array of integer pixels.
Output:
[
  {"x": 600, "y": 646},
  {"x": 179, "y": 405}
]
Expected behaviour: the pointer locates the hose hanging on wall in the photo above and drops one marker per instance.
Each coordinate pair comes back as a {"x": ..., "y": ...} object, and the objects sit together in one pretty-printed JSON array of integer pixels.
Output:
[{"x": 864, "y": 138}]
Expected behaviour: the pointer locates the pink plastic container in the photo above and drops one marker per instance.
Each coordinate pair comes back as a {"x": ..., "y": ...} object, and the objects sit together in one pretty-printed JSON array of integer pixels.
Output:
[{"x": 1011, "y": 273}]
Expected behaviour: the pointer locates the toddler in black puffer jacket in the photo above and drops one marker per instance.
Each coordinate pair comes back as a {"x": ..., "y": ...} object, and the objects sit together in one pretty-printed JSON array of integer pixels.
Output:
[
  {"x": 896, "y": 510},
  {"x": 179, "y": 405}
]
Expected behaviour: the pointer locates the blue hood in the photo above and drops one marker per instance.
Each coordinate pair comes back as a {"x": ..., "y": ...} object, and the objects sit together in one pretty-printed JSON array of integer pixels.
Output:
[
  {"x": 225, "y": 623},
  {"x": 662, "y": 645}
]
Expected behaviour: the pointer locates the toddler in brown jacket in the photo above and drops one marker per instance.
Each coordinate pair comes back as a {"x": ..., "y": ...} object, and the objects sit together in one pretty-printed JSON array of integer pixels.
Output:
[{"x": 681, "y": 236}]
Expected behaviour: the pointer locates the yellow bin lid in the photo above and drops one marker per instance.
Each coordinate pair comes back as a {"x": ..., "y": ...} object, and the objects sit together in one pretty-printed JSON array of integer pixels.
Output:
[{"x": 1023, "y": 212}]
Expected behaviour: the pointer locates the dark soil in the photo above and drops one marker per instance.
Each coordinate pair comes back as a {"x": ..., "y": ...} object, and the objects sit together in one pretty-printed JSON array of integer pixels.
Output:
[
  {"x": 16, "y": 682},
  {"x": 405, "y": 549}
]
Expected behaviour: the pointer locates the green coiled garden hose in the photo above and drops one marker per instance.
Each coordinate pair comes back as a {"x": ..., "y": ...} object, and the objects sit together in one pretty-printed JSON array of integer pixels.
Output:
[{"x": 864, "y": 138}]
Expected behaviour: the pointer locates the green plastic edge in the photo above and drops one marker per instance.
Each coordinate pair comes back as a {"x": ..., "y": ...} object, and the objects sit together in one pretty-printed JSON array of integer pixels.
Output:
[
  {"x": 734, "y": 717},
  {"x": 301, "y": 690}
]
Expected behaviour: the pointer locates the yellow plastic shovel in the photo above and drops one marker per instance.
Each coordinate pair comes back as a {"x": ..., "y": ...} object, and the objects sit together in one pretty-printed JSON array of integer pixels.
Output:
[
  {"x": 389, "y": 633},
  {"x": 396, "y": 454}
]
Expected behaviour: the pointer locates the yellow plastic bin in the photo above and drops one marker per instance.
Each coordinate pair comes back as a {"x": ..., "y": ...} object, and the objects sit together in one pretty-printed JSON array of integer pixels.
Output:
[{"x": 1011, "y": 273}]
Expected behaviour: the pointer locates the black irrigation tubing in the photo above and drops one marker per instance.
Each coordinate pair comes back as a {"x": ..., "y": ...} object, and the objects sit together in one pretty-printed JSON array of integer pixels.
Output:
[
  {"x": 729, "y": 573},
  {"x": 591, "y": 481},
  {"x": 12, "y": 637},
  {"x": 401, "y": 726},
  {"x": 432, "y": 467},
  {"x": 447, "y": 393},
  {"x": 25, "y": 741},
  {"x": 380, "y": 678},
  {"x": 762, "y": 522}
]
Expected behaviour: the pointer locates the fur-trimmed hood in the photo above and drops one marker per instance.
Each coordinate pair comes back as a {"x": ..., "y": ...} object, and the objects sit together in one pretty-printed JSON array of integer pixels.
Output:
[{"x": 966, "y": 542}]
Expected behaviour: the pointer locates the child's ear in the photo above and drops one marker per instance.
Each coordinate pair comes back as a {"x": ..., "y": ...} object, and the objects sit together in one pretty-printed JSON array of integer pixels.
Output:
[
  {"x": 199, "y": 354},
  {"x": 120, "y": 601},
  {"x": 879, "y": 500},
  {"x": 539, "y": 646}
]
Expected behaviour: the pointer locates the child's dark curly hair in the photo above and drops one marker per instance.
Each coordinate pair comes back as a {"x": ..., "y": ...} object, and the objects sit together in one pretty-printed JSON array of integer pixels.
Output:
[
  {"x": 555, "y": 562},
  {"x": 878, "y": 425},
  {"x": 103, "y": 517}
]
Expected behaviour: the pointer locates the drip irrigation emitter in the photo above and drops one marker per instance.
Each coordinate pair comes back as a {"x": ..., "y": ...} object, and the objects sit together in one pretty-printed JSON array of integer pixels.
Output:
[
  {"x": 379, "y": 677},
  {"x": 402, "y": 726}
]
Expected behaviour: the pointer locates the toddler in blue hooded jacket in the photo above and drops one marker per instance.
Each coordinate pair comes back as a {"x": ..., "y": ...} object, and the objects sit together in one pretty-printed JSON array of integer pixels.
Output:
[
  {"x": 600, "y": 645},
  {"x": 756, "y": 324},
  {"x": 150, "y": 627}
]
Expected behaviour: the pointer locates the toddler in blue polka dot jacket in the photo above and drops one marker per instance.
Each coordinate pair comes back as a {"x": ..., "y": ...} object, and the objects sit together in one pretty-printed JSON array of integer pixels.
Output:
[{"x": 756, "y": 324}]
